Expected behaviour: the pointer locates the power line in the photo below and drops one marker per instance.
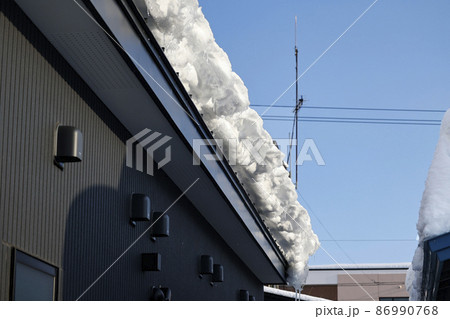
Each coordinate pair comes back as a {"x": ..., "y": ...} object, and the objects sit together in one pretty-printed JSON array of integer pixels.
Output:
[
  {"x": 356, "y": 122},
  {"x": 353, "y": 108},
  {"x": 310, "y": 210},
  {"x": 349, "y": 118},
  {"x": 370, "y": 240}
]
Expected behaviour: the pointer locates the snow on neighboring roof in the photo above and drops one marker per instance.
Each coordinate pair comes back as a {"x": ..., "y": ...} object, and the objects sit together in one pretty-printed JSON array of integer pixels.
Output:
[
  {"x": 291, "y": 294},
  {"x": 434, "y": 214},
  {"x": 222, "y": 98},
  {"x": 404, "y": 265}
]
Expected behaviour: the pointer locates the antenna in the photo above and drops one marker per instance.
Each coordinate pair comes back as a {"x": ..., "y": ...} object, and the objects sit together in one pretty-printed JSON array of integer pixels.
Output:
[
  {"x": 295, "y": 32},
  {"x": 298, "y": 105}
]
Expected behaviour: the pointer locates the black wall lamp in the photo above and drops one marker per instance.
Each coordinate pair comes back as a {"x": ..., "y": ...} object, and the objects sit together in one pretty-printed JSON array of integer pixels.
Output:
[
  {"x": 206, "y": 265},
  {"x": 161, "y": 294},
  {"x": 167, "y": 294},
  {"x": 217, "y": 275},
  {"x": 161, "y": 225},
  {"x": 68, "y": 145},
  {"x": 151, "y": 262},
  {"x": 157, "y": 294},
  {"x": 244, "y": 295},
  {"x": 139, "y": 208}
]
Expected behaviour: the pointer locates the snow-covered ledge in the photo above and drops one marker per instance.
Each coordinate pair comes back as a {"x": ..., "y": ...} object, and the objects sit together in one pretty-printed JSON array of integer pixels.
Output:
[
  {"x": 434, "y": 214},
  {"x": 292, "y": 295}
]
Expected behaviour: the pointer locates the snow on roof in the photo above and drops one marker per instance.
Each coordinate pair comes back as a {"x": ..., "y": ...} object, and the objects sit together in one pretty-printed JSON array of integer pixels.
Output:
[
  {"x": 291, "y": 294},
  {"x": 404, "y": 265},
  {"x": 222, "y": 98},
  {"x": 434, "y": 213}
]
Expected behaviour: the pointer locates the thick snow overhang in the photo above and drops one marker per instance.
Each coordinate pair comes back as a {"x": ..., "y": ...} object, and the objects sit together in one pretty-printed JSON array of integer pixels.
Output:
[
  {"x": 130, "y": 74},
  {"x": 436, "y": 268}
]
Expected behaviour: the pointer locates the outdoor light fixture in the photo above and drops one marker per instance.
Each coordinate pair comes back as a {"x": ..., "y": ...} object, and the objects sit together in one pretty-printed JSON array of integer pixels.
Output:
[
  {"x": 206, "y": 265},
  {"x": 161, "y": 294},
  {"x": 139, "y": 208},
  {"x": 68, "y": 145},
  {"x": 157, "y": 294},
  {"x": 217, "y": 273},
  {"x": 151, "y": 262},
  {"x": 167, "y": 294},
  {"x": 244, "y": 295},
  {"x": 161, "y": 225}
]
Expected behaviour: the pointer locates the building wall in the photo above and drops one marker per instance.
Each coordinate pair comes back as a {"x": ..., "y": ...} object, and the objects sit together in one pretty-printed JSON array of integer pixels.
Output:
[
  {"x": 77, "y": 219},
  {"x": 378, "y": 280},
  {"x": 322, "y": 291},
  {"x": 377, "y": 285}
]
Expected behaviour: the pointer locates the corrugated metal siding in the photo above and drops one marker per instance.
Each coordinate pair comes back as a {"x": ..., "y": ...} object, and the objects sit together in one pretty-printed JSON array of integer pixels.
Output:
[
  {"x": 35, "y": 95},
  {"x": 77, "y": 219}
]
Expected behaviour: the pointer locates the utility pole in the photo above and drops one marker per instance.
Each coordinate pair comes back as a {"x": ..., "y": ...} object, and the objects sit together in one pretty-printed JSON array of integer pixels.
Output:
[{"x": 298, "y": 105}]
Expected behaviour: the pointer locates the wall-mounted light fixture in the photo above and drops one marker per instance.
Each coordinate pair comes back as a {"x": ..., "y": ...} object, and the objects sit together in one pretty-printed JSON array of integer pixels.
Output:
[
  {"x": 161, "y": 294},
  {"x": 151, "y": 262},
  {"x": 68, "y": 145},
  {"x": 139, "y": 208},
  {"x": 217, "y": 273},
  {"x": 157, "y": 294},
  {"x": 244, "y": 295},
  {"x": 167, "y": 293},
  {"x": 161, "y": 225},
  {"x": 206, "y": 265}
]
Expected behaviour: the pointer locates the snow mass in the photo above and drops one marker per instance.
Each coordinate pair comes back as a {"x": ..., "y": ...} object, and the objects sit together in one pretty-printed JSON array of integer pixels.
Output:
[
  {"x": 222, "y": 98},
  {"x": 434, "y": 214}
]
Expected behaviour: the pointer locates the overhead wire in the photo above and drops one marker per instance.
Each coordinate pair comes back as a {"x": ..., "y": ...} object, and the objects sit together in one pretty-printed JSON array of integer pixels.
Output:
[
  {"x": 371, "y": 240},
  {"x": 310, "y": 210},
  {"x": 356, "y": 121},
  {"x": 350, "y": 118},
  {"x": 355, "y": 108}
]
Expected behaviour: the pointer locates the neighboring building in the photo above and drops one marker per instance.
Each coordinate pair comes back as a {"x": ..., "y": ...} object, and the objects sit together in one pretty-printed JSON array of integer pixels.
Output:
[
  {"x": 436, "y": 268},
  {"x": 61, "y": 229},
  {"x": 357, "y": 282}
]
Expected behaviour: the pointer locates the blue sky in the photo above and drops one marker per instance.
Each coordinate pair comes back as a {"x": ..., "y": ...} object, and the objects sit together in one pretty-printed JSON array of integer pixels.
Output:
[{"x": 395, "y": 56}]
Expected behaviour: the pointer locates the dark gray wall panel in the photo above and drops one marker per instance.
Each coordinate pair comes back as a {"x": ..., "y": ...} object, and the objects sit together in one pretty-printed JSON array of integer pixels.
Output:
[{"x": 77, "y": 219}]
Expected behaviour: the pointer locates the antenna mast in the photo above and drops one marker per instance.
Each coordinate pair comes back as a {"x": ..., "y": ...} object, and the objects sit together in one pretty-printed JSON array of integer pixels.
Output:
[{"x": 298, "y": 105}]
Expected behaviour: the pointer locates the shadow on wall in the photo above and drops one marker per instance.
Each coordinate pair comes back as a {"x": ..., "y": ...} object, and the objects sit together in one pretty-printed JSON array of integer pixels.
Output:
[
  {"x": 97, "y": 232},
  {"x": 97, "y": 228}
]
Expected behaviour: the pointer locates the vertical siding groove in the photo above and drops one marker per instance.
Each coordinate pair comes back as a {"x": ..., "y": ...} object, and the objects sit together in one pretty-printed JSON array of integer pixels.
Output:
[{"x": 3, "y": 257}]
